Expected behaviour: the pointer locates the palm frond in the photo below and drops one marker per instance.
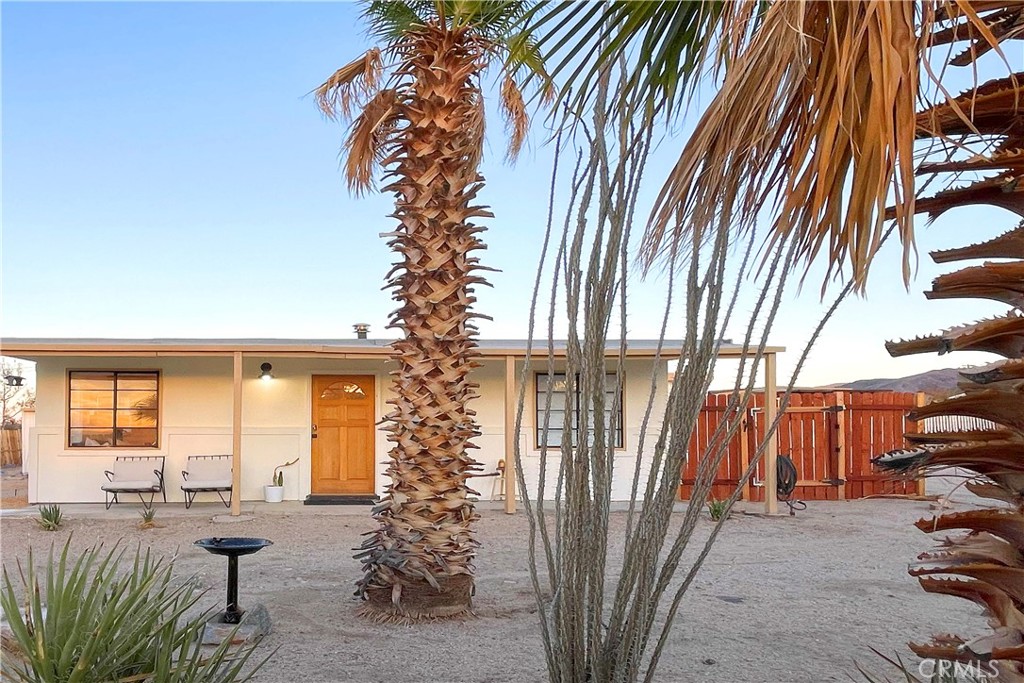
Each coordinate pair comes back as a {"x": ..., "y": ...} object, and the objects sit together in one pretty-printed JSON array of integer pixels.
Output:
[
  {"x": 390, "y": 20},
  {"x": 353, "y": 83},
  {"x": 666, "y": 45},
  {"x": 517, "y": 121},
  {"x": 367, "y": 140},
  {"x": 478, "y": 126},
  {"x": 494, "y": 20},
  {"x": 816, "y": 120}
]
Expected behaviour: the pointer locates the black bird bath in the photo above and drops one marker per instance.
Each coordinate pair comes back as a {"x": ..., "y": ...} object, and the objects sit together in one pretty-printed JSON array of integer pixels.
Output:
[{"x": 233, "y": 548}]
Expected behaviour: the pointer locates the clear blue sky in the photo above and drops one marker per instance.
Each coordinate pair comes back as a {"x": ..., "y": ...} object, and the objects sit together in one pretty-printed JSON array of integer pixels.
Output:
[{"x": 165, "y": 174}]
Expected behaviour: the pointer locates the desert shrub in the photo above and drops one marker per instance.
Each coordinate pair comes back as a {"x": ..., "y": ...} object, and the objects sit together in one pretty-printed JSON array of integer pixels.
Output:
[
  {"x": 717, "y": 508},
  {"x": 102, "y": 624},
  {"x": 148, "y": 519},
  {"x": 50, "y": 517}
]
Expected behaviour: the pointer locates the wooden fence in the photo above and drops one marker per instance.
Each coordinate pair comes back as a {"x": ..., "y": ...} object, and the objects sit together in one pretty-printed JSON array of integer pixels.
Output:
[
  {"x": 830, "y": 436},
  {"x": 10, "y": 447}
]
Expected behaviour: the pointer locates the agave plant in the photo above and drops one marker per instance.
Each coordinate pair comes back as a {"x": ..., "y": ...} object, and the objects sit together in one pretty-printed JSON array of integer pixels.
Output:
[
  {"x": 50, "y": 517},
  {"x": 99, "y": 623},
  {"x": 986, "y": 560},
  {"x": 148, "y": 519}
]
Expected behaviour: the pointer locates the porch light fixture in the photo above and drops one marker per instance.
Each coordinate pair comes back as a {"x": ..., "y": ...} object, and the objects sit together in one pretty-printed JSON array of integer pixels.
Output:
[
  {"x": 14, "y": 380},
  {"x": 265, "y": 372}
]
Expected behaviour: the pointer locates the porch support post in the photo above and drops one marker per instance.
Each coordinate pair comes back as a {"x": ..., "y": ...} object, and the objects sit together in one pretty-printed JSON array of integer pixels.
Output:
[
  {"x": 771, "y": 451},
  {"x": 236, "y": 439},
  {"x": 920, "y": 399},
  {"x": 510, "y": 437}
]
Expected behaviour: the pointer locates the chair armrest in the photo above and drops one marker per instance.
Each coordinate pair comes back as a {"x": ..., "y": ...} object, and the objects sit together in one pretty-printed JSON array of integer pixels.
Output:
[
  {"x": 110, "y": 475},
  {"x": 160, "y": 477},
  {"x": 184, "y": 475}
]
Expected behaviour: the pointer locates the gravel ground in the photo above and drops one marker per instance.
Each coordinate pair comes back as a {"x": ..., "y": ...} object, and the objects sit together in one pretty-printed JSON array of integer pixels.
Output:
[{"x": 781, "y": 599}]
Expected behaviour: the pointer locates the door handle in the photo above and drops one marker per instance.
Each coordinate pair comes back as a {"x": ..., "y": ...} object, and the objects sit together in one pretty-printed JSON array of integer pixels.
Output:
[{"x": 313, "y": 435}]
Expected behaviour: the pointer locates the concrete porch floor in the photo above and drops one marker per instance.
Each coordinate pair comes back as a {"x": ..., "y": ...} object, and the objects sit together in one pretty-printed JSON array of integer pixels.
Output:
[
  {"x": 251, "y": 509},
  {"x": 217, "y": 511}
]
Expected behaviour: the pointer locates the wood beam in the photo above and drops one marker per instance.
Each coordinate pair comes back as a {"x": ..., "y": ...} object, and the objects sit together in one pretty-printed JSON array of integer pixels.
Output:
[
  {"x": 236, "y": 439},
  {"x": 510, "y": 436},
  {"x": 771, "y": 451}
]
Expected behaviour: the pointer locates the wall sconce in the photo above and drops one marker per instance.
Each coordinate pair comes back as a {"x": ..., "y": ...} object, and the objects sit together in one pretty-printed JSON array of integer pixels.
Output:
[
  {"x": 265, "y": 372},
  {"x": 14, "y": 380}
]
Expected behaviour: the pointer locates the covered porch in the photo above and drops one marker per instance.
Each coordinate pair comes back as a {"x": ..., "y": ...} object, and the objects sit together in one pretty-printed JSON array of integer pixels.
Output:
[{"x": 220, "y": 397}]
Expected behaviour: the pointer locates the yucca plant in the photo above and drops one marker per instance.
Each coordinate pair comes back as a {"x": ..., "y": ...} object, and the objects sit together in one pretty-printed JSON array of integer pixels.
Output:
[
  {"x": 87, "y": 620},
  {"x": 420, "y": 104},
  {"x": 717, "y": 508},
  {"x": 148, "y": 519},
  {"x": 50, "y": 517}
]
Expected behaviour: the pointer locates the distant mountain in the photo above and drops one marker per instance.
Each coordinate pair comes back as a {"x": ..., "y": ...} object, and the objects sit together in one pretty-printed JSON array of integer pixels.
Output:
[{"x": 932, "y": 382}]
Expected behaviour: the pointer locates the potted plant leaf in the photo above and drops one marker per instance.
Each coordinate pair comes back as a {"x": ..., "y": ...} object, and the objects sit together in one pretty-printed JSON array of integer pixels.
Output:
[{"x": 274, "y": 491}]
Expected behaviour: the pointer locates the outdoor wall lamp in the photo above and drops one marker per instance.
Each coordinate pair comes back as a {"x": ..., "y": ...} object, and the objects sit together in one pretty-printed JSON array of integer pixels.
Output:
[
  {"x": 265, "y": 372},
  {"x": 14, "y": 380}
]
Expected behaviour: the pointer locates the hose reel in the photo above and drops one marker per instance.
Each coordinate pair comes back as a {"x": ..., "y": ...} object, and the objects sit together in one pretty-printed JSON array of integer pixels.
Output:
[{"x": 786, "y": 480}]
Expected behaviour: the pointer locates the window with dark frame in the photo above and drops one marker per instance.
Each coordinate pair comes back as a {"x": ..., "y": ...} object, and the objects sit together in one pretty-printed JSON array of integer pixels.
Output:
[
  {"x": 556, "y": 416},
  {"x": 113, "y": 409}
]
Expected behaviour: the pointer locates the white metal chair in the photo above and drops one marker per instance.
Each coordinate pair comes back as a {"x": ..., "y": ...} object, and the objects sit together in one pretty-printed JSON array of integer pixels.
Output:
[
  {"x": 135, "y": 474},
  {"x": 207, "y": 473}
]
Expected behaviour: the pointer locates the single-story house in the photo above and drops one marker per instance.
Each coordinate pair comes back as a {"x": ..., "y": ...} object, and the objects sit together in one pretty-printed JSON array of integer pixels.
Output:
[{"x": 270, "y": 401}]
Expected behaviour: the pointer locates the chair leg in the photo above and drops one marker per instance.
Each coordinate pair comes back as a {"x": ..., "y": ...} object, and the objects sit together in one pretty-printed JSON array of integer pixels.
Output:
[
  {"x": 189, "y": 499},
  {"x": 148, "y": 505},
  {"x": 227, "y": 503},
  {"x": 107, "y": 500}
]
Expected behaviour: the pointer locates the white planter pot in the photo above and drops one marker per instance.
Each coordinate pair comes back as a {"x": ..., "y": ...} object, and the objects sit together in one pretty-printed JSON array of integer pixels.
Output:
[{"x": 273, "y": 494}]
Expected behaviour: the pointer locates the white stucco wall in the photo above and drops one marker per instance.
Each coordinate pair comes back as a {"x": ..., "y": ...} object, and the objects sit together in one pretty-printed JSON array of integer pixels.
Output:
[
  {"x": 636, "y": 394},
  {"x": 195, "y": 419}
]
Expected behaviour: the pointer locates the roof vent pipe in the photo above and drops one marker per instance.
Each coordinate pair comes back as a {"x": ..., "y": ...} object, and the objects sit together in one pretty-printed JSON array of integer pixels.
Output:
[{"x": 361, "y": 330}]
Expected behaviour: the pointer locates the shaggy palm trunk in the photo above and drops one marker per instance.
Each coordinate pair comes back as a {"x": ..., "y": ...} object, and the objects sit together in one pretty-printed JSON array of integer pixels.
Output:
[
  {"x": 419, "y": 562},
  {"x": 984, "y": 563}
]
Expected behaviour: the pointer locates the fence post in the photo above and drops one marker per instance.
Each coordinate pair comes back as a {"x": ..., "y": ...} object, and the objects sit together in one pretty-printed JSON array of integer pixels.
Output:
[
  {"x": 771, "y": 451},
  {"x": 744, "y": 435},
  {"x": 839, "y": 424},
  {"x": 919, "y": 400}
]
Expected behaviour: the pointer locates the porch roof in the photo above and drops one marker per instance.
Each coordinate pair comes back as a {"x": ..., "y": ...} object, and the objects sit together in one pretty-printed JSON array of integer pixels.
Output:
[{"x": 29, "y": 348}]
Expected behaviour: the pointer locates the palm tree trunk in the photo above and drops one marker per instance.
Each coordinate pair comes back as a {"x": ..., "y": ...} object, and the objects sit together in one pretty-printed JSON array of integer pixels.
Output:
[{"x": 419, "y": 562}]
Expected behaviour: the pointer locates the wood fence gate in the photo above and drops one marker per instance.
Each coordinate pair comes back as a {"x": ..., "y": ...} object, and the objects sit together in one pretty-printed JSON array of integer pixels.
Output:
[
  {"x": 830, "y": 436},
  {"x": 10, "y": 446}
]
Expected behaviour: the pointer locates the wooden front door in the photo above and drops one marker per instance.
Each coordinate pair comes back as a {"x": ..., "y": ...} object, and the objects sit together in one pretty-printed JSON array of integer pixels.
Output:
[{"x": 343, "y": 419}]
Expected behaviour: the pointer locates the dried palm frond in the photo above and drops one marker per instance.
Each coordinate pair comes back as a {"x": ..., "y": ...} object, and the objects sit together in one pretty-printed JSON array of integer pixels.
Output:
[
  {"x": 350, "y": 85},
  {"x": 993, "y": 108},
  {"x": 368, "y": 139},
  {"x": 1010, "y": 244},
  {"x": 1004, "y": 336},
  {"x": 995, "y": 372},
  {"x": 516, "y": 119},
  {"x": 1005, "y": 190},
  {"x": 1006, "y": 159},
  {"x": 1003, "y": 282},
  {"x": 763, "y": 142}
]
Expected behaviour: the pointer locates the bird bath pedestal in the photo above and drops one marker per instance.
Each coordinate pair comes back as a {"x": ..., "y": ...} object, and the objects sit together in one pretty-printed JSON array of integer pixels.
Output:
[{"x": 238, "y": 624}]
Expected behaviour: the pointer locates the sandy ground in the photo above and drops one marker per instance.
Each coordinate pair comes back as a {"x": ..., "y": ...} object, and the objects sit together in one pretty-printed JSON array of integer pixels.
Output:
[
  {"x": 13, "y": 488},
  {"x": 782, "y": 599}
]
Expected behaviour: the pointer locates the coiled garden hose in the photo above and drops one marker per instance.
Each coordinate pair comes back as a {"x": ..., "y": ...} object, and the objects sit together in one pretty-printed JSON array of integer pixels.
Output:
[{"x": 787, "y": 478}]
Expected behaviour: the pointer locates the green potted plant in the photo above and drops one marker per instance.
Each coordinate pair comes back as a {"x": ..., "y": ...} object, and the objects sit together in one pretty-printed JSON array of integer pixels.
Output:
[{"x": 274, "y": 491}]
